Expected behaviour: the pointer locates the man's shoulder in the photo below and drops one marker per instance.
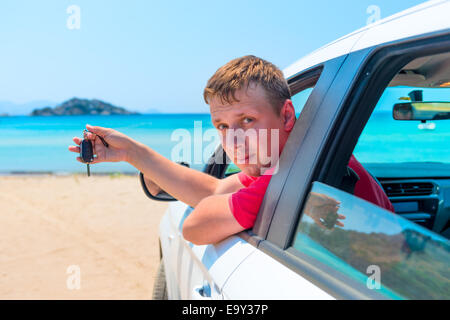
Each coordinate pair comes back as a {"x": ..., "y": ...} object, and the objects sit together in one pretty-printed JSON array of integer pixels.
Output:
[
  {"x": 245, "y": 179},
  {"x": 255, "y": 183}
]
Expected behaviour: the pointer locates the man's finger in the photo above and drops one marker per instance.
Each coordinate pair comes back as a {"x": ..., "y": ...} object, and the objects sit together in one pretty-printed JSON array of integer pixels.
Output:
[
  {"x": 74, "y": 149},
  {"x": 77, "y": 140},
  {"x": 90, "y": 136},
  {"x": 98, "y": 130},
  {"x": 95, "y": 161}
]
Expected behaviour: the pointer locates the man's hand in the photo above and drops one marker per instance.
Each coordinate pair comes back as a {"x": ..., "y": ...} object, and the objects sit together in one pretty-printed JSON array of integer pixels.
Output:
[
  {"x": 118, "y": 149},
  {"x": 185, "y": 184}
]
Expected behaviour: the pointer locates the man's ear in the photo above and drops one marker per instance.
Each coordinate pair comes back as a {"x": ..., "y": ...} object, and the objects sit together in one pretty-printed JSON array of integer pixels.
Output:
[{"x": 288, "y": 115}]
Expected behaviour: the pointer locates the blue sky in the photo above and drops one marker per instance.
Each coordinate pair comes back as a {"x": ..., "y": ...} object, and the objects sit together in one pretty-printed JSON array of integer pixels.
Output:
[{"x": 146, "y": 55}]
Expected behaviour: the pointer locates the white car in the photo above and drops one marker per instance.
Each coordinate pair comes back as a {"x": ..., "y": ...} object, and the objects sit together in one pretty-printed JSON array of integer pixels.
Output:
[{"x": 383, "y": 94}]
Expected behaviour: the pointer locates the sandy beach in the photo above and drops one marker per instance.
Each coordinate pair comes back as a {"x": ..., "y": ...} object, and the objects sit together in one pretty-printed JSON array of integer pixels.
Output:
[{"x": 53, "y": 227}]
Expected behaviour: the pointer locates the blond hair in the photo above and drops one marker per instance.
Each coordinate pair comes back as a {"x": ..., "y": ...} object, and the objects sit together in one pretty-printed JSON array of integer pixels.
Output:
[{"x": 243, "y": 71}]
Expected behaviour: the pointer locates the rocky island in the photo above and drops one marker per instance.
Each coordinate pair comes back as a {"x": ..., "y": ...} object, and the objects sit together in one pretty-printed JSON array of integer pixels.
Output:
[{"x": 76, "y": 106}]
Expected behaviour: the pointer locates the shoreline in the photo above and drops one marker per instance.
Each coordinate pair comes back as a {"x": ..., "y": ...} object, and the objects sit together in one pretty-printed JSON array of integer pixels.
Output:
[{"x": 100, "y": 115}]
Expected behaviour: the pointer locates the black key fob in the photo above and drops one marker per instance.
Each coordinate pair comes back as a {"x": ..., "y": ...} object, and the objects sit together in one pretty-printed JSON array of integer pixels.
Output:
[{"x": 86, "y": 151}]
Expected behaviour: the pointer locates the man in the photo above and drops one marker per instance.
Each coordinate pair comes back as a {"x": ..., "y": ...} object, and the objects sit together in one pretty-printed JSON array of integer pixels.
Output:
[{"x": 247, "y": 94}]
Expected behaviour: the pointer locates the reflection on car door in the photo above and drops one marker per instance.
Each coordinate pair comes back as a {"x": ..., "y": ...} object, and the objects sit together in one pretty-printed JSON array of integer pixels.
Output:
[{"x": 376, "y": 252}]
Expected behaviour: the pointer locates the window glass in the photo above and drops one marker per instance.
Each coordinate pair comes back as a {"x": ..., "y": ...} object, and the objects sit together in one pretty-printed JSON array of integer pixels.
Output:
[
  {"x": 408, "y": 132},
  {"x": 299, "y": 100},
  {"x": 405, "y": 141},
  {"x": 231, "y": 169},
  {"x": 374, "y": 247}
]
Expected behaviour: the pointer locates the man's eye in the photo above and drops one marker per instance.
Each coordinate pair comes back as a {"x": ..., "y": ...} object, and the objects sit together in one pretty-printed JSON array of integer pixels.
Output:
[
  {"x": 221, "y": 126},
  {"x": 247, "y": 120}
]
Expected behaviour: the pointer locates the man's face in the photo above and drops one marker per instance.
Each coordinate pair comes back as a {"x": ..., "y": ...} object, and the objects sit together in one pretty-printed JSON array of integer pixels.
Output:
[{"x": 252, "y": 133}]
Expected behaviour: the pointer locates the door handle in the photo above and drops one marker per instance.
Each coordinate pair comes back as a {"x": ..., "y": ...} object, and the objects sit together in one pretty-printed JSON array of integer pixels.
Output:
[{"x": 202, "y": 292}]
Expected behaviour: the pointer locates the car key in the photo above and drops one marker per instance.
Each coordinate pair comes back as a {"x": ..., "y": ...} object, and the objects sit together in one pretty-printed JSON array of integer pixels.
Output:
[{"x": 87, "y": 154}]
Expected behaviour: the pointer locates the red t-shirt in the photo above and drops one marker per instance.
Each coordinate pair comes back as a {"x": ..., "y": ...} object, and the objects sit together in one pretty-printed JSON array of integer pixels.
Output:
[{"x": 245, "y": 203}]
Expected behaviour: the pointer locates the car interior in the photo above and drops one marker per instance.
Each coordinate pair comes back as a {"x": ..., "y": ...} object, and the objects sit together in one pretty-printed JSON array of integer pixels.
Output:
[{"x": 409, "y": 154}]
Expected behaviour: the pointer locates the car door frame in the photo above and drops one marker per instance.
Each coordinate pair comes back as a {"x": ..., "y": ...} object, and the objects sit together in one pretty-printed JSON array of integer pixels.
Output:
[{"x": 327, "y": 144}]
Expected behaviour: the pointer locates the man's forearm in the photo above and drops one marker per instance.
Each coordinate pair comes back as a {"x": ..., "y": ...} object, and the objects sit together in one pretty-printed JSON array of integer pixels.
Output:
[{"x": 185, "y": 184}]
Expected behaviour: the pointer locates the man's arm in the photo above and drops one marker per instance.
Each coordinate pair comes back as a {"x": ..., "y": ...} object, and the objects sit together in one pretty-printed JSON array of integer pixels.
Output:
[
  {"x": 185, "y": 184},
  {"x": 225, "y": 185},
  {"x": 211, "y": 221}
]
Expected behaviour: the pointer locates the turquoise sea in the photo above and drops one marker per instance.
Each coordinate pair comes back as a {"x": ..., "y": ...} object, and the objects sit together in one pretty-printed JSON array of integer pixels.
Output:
[{"x": 40, "y": 144}]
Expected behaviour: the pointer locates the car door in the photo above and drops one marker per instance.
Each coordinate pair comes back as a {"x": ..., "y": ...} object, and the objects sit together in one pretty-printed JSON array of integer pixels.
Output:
[
  {"x": 204, "y": 269},
  {"x": 378, "y": 254},
  {"x": 198, "y": 272}
]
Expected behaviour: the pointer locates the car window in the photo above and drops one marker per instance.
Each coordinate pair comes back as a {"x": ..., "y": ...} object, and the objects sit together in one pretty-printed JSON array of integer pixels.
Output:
[
  {"x": 352, "y": 229},
  {"x": 407, "y": 143},
  {"x": 373, "y": 247},
  {"x": 232, "y": 169},
  {"x": 412, "y": 120},
  {"x": 299, "y": 100},
  {"x": 408, "y": 131}
]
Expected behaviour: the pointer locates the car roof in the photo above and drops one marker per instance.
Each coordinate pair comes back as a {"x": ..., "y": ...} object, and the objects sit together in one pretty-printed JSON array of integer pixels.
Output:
[{"x": 427, "y": 17}]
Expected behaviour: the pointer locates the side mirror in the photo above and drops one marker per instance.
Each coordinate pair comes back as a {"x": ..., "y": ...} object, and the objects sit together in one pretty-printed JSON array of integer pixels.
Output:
[{"x": 162, "y": 195}]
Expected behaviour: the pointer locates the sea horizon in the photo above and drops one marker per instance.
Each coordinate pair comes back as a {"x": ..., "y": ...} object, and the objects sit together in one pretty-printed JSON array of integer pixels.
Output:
[
  {"x": 39, "y": 144},
  {"x": 33, "y": 145}
]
